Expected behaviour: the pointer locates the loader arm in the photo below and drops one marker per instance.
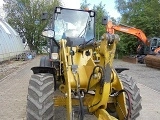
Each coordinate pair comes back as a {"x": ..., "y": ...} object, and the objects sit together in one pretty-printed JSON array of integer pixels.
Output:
[{"x": 110, "y": 28}]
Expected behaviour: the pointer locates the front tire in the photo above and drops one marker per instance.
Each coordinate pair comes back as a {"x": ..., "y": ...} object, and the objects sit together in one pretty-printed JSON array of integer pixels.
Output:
[
  {"x": 40, "y": 97},
  {"x": 135, "y": 99},
  {"x": 45, "y": 62}
]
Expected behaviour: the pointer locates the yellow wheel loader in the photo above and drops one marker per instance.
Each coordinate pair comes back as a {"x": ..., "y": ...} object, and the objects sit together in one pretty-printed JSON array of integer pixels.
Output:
[{"x": 81, "y": 69}]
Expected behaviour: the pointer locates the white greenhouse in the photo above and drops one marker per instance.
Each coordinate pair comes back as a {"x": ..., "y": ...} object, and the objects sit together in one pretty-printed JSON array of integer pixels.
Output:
[{"x": 11, "y": 44}]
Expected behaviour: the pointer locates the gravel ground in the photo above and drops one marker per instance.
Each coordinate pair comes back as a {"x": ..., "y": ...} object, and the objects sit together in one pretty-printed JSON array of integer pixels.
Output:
[
  {"x": 14, "y": 88},
  {"x": 142, "y": 74},
  {"x": 8, "y": 67}
]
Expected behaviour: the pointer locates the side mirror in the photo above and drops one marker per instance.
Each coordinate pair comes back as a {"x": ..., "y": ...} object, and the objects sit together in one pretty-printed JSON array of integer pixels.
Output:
[
  {"x": 23, "y": 40},
  {"x": 104, "y": 20},
  {"x": 58, "y": 10},
  {"x": 44, "y": 16},
  {"x": 48, "y": 33}
]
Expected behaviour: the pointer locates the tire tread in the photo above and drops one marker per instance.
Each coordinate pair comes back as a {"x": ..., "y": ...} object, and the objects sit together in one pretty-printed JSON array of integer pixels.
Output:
[
  {"x": 40, "y": 97},
  {"x": 130, "y": 85}
]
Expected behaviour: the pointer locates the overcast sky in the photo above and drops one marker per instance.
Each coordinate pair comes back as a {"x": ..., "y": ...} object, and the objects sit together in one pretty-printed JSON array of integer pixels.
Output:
[
  {"x": 1, "y": 2},
  {"x": 1, "y": 9},
  {"x": 109, "y": 5}
]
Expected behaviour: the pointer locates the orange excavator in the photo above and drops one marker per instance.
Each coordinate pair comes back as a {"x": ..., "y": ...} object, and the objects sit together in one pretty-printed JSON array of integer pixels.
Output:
[
  {"x": 110, "y": 28},
  {"x": 148, "y": 52}
]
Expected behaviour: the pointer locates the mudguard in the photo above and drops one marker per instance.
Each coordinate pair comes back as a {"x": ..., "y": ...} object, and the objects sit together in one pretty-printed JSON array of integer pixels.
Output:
[{"x": 44, "y": 70}]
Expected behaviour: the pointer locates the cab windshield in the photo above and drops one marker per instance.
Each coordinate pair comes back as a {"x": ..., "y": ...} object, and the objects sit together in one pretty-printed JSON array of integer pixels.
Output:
[{"x": 73, "y": 23}]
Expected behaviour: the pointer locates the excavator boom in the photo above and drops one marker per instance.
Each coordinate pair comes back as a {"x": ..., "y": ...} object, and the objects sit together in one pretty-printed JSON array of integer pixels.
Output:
[
  {"x": 127, "y": 29},
  {"x": 150, "y": 60}
]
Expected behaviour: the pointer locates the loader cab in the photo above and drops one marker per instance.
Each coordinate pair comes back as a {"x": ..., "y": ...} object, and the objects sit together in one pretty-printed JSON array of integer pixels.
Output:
[
  {"x": 154, "y": 43},
  {"x": 76, "y": 26}
]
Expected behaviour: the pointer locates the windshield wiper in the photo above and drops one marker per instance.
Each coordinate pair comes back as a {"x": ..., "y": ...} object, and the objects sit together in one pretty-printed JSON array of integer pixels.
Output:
[{"x": 84, "y": 30}]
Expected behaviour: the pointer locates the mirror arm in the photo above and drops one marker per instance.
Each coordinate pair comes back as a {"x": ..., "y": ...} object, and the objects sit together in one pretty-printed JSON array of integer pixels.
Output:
[{"x": 56, "y": 42}]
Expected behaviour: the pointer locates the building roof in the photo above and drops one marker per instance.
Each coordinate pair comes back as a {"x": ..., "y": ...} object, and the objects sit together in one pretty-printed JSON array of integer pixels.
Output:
[{"x": 10, "y": 42}]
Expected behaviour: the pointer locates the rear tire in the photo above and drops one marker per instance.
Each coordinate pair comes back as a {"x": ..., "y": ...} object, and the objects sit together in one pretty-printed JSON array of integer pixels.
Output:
[
  {"x": 130, "y": 86},
  {"x": 40, "y": 97},
  {"x": 45, "y": 62}
]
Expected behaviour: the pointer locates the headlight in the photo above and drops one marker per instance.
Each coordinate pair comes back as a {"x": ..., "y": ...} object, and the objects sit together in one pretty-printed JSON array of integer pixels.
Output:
[{"x": 54, "y": 56}]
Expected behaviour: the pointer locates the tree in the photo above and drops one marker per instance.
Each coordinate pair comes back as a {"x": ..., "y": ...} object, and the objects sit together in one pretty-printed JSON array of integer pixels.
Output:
[
  {"x": 142, "y": 14},
  {"x": 100, "y": 13},
  {"x": 25, "y": 17},
  {"x": 85, "y": 5}
]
